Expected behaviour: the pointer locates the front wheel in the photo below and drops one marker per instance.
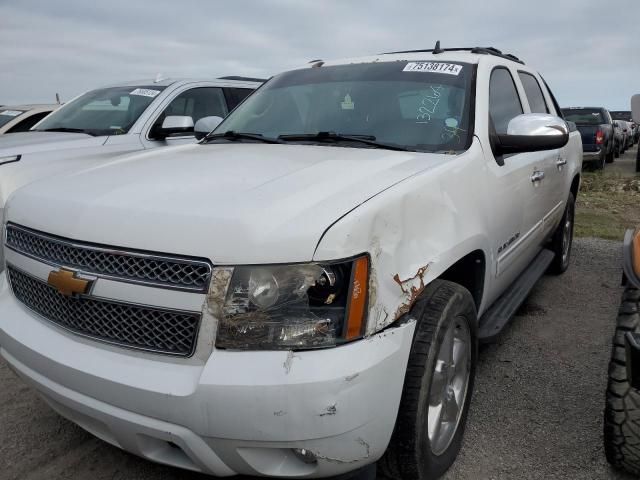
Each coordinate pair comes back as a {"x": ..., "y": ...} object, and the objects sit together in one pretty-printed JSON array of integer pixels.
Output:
[
  {"x": 437, "y": 387},
  {"x": 563, "y": 239}
]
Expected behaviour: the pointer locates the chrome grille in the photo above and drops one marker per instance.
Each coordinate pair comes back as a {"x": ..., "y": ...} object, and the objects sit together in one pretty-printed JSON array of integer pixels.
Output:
[
  {"x": 134, "y": 326},
  {"x": 131, "y": 266}
]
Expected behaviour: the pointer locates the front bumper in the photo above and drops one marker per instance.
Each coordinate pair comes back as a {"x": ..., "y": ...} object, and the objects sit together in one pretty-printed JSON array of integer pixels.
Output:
[{"x": 235, "y": 413}]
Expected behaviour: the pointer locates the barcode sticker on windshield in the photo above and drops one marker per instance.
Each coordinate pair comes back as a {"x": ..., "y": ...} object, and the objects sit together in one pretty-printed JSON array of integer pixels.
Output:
[
  {"x": 448, "y": 68},
  {"x": 145, "y": 92},
  {"x": 11, "y": 113}
]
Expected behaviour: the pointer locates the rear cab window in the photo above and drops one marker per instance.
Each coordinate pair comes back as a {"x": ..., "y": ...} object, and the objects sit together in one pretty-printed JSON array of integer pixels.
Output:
[{"x": 584, "y": 116}]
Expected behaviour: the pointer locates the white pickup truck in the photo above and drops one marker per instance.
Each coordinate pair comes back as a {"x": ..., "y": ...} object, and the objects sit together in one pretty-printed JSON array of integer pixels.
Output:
[
  {"x": 302, "y": 293},
  {"x": 104, "y": 123}
]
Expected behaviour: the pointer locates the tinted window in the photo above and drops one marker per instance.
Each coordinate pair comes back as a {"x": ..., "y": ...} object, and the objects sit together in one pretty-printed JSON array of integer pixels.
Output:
[
  {"x": 399, "y": 103},
  {"x": 236, "y": 95},
  {"x": 534, "y": 93},
  {"x": 621, "y": 115},
  {"x": 504, "y": 102},
  {"x": 584, "y": 116},
  {"x": 27, "y": 123},
  {"x": 196, "y": 103},
  {"x": 107, "y": 111}
]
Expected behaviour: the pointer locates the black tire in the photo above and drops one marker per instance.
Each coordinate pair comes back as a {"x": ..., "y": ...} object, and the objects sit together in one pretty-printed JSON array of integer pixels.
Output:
[
  {"x": 622, "y": 407},
  {"x": 560, "y": 262},
  {"x": 410, "y": 455},
  {"x": 599, "y": 164},
  {"x": 617, "y": 152},
  {"x": 610, "y": 156},
  {"x": 638, "y": 160}
]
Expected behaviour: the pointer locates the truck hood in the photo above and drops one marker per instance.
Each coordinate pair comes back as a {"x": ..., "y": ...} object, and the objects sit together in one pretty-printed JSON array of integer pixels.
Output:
[
  {"x": 29, "y": 142},
  {"x": 231, "y": 203}
]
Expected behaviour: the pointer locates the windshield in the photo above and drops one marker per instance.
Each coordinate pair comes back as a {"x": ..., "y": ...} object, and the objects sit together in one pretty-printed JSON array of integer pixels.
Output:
[
  {"x": 106, "y": 111},
  {"x": 8, "y": 115},
  {"x": 583, "y": 116},
  {"x": 415, "y": 105},
  {"x": 621, "y": 115}
]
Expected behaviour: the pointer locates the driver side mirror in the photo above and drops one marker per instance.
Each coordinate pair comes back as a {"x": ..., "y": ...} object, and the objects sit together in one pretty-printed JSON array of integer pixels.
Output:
[
  {"x": 635, "y": 108},
  {"x": 173, "y": 125},
  {"x": 532, "y": 132},
  {"x": 206, "y": 125}
]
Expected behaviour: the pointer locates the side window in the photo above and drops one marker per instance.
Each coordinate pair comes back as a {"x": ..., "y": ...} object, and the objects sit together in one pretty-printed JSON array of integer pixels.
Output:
[
  {"x": 504, "y": 102},
  {"x": 236, "y": 95},
  {"x": 534, "y": 93},
  {"x": 27, "y": 123},
  {"x": 196, "y": 103}
]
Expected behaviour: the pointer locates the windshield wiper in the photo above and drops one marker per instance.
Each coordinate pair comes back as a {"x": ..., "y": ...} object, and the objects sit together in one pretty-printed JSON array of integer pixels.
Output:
[
  {"x": 339, "y": 137},
  {"x": 68, "y": 130},
  {"x": 232, "y": 135}
]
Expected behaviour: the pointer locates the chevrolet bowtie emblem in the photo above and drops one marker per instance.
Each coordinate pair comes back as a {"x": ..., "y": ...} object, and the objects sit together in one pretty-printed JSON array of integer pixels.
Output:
[{"x": 67, "y": 283}]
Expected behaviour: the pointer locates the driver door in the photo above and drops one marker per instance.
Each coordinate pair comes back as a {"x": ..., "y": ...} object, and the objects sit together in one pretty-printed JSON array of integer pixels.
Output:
[{"x": 196, "y": 103}]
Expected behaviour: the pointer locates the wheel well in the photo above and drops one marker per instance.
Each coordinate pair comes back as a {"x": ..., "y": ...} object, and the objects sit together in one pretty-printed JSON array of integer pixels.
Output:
[
  {"x": 469, "y": 272},
  {"x": 575, "y": 185}
]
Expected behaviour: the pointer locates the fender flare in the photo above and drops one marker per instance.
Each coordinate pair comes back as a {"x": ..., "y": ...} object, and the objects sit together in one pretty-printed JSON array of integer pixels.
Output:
[{"x": 631, "y": 257}]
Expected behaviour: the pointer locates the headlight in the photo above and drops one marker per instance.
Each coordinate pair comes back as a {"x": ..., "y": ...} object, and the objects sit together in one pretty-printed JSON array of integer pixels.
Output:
[
  {"x": 9, "y": 159},
  {"x": 284, "y": 307}
]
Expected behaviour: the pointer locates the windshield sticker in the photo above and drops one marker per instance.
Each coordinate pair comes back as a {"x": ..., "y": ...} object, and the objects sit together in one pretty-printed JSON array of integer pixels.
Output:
[
  {"x": 450, "y": 134},
  {"x": 448, "y": 68},
  {"x": 145, "y": 92},
  {"x": 347, "y": 104},
  {"x": 11, "y": 113},
  {"x": 451, "y": 122}
]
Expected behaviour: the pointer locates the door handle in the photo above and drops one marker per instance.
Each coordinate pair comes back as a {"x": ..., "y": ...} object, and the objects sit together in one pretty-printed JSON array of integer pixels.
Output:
[
  {"x": 561, "y": 161},
  {"x": 537, "y": 176}
]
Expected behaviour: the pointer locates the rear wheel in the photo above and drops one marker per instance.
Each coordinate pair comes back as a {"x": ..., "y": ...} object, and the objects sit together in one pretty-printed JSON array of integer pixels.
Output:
[
  {"x": 622, "y": 408},
  {"x": 638, "y": 160},
  {"x": 563, "y": 239},
  {"x": 617, "y": 151},
  {"x": 610, "y": 156},
  {"x": 438, "y": 385}
]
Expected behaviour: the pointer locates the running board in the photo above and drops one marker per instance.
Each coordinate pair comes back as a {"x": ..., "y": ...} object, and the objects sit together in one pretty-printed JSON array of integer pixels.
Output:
[{"x": 504, "y": 308}]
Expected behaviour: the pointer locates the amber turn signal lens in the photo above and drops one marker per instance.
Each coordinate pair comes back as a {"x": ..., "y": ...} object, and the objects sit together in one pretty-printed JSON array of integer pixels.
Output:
[
  {"x": 358, "y": 299},
  {"x": 636, "y": 253}
]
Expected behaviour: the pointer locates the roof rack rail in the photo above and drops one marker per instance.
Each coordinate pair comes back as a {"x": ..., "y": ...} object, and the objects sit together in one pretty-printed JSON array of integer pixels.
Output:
[
  {"x": 243, "y": 79},
  {"x": 479, "y": 50}
]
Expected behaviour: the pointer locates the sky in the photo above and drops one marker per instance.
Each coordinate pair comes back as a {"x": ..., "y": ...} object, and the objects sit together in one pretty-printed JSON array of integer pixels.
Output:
[{"x": 587, "y": 50}]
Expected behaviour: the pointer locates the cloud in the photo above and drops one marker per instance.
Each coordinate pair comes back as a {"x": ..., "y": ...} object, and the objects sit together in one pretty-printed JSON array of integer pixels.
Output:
[{"x": 587, "y": 53}]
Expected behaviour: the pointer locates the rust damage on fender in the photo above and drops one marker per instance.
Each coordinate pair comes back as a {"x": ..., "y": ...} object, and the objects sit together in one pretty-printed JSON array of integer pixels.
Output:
[{"x": 411, "y": 289}]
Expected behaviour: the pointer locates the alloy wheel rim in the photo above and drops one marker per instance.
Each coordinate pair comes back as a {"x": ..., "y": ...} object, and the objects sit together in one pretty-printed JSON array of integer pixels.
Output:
[{"x": 449, "y": 384}]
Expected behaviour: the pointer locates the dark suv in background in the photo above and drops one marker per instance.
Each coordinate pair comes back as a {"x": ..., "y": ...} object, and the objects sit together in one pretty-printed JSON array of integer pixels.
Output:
[
  {"x": 599, "y": 142},
  {"x": 626, "y": 116}
]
